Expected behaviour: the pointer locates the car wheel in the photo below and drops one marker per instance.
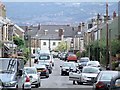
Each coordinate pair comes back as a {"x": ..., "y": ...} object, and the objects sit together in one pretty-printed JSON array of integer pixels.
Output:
[
  {"x": 16, "y": 87},
  {"x": 37, "y": 85},
  {"x": 47, "y": 76},
  {"x": 73, "y": 82},
  {"x": 23, "y": 87},
  {"x": 62, "y": 73},
  {"x": 50, "y": 71},
  {"x": 79, "y": 83}
]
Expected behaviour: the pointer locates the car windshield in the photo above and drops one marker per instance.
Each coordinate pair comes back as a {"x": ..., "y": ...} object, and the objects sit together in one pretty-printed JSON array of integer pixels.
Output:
[
  {"x": 44, "y": 57},
  {"x": 90, "y": 70},
  {"x": 92, "y": 63},
  {"x": 108, "y": 76},
  {"x": 68, "y": 65},
  {"x": 83, "y": 60},
  {"x": 30, "y": 71}
]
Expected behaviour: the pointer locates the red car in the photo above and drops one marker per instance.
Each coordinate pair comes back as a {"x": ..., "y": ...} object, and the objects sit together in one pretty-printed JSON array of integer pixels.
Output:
[{"x": 72, "y": 57}]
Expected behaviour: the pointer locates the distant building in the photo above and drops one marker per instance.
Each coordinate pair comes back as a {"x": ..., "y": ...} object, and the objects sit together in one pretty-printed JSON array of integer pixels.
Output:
[{"x": 50, "y": 36}]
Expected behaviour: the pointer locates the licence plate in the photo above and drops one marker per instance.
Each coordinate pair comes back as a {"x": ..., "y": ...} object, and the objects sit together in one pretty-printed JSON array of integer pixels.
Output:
[{"x": 39, "y": 70}]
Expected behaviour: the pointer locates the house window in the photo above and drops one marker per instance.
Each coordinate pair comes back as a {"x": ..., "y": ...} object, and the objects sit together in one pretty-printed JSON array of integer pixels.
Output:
[
  {"x": 58, "y": 43},
  {"x": 44, "y": 43},
  {"x": 54, "y": 43}
]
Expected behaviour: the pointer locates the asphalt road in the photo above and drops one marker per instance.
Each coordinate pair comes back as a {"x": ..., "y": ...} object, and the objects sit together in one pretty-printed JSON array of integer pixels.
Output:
[{"x": 57, "y": 81}]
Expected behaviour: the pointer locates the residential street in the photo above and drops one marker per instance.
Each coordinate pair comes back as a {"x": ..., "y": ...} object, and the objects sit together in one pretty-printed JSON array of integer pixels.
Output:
[{"x": 57, "y": 81}]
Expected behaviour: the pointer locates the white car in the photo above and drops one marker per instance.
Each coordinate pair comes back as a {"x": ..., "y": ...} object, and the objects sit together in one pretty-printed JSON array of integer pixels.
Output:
[
  {"x": 86, "y": 76},
  {"x": 94, "y": 64},
  {"x": 34, "y": 76}
]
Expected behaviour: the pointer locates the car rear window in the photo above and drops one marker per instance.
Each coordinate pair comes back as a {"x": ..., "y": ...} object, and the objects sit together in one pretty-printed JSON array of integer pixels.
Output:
[
  {"x": 107, "y": 76},
  {"x": 44, "y": 57},
  {"x": 90, "y": 70}
]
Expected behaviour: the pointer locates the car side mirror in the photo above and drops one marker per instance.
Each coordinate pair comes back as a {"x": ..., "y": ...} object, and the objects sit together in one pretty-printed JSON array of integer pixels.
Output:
[
  {"x": 20, "y": 72},
  {"x": 94, "y": 80},
  {"x": 61, "y": 66}
]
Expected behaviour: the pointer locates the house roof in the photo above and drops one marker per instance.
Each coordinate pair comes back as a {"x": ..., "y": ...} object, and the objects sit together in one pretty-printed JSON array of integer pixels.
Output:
[{"x": 51, "y": 31}]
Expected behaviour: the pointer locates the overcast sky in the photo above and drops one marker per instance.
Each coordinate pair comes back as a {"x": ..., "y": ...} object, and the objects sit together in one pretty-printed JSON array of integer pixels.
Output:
[{"x": 59, "y": 0}]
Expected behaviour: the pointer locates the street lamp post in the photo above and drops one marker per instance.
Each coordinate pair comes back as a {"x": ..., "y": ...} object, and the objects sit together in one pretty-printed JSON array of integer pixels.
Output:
[{"x": 107, "y": 45}]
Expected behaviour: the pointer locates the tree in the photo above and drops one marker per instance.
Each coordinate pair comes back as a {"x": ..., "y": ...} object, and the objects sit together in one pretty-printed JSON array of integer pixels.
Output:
[
  {"x": 62, "y": 46},
  {"x": 18, "y": 41}
]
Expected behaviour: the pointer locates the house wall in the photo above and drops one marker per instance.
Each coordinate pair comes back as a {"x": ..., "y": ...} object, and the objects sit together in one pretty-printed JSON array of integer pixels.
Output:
[{"x": 43, "y": 47}]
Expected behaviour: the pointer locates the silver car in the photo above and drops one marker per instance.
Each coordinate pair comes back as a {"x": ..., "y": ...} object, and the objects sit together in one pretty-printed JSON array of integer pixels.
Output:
[
  {"x": 34, "y": 76},
  {"x": 86, "y": 76}
]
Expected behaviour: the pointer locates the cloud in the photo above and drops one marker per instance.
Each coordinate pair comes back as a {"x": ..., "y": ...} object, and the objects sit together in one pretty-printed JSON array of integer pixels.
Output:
[{"x": 59, "y": 0}]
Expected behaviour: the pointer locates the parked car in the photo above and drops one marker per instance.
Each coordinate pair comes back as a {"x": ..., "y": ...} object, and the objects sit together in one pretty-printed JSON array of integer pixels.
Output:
[
  {"x": 102, "y": 82},
  {"x": 83, "y": 62},
  {"x": 12, "y": 74},
  {"x": 42, "y": 70},
  {"x": 72, "y": 57},
  {"x": 94, "y": 64},
  {"x": 115, "y": 83},
  {"x": 34, "y": 76},
  {"x": 86, "y": 76},
  {"x": 62, "y": 56},
  {"x": 48, "y": 66},
  {"x": 68, "y": 67}
]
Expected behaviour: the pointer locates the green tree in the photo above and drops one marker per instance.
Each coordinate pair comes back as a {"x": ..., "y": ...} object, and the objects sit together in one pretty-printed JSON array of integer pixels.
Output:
[
  {"x": 62, "y": 46},
  {"x": 18, "y": 41}
]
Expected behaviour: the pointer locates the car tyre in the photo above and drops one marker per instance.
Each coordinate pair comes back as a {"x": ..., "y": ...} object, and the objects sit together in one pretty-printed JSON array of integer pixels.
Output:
[
  {"x": 47, "y": 76},
  {"x": 79, "y": 83},
  {"x": 73, "y": 82},
  {"x": 37, "y": 85}
]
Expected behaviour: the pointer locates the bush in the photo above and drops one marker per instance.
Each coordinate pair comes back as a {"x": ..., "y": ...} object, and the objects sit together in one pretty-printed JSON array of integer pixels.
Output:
[
  {"x": 78, "y": 54},
  {"x": 115, "y": 65}
]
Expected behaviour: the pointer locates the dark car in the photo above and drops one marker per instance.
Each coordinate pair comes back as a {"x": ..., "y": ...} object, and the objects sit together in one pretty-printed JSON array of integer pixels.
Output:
[
  {"x": 115, "y": 83},
  {"x": 102, "y": 82},
  {"x": 68, "y": 67},
  {"x": 83, "y": 62},
  {"x": 42, "y": 70}
]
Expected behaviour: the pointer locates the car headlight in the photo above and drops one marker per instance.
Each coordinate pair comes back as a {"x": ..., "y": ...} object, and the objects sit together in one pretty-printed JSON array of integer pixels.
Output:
[
  {"x": 84, "y": 76},
  {"x": 12, "y": 83}
]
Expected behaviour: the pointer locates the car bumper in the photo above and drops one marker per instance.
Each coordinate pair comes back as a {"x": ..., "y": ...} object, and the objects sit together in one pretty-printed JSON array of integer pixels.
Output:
[
  {"x": 43, "y": 74},
  {"x": 65, "y": 72},
  {"x": 27, "y": 85},
  {"x": 87, "y": 80}
]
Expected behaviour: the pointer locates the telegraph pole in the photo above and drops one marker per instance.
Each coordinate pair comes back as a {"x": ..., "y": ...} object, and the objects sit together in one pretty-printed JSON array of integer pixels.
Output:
[
  {"x": 98, "y": 17},
  {"x": 107, "y": 46}
]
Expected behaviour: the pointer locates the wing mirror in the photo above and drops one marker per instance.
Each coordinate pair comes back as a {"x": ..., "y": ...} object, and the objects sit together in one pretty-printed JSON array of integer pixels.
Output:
[
  {"x": 94, "y": 80},
  {"x": 61, "y": 66}
]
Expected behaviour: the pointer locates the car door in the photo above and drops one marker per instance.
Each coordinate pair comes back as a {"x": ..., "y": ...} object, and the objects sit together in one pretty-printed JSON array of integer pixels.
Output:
[{"x": 75, "y": 76}]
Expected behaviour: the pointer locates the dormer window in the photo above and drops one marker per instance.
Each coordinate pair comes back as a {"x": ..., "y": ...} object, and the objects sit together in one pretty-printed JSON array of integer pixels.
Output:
[{"x": 45, "y": 31}]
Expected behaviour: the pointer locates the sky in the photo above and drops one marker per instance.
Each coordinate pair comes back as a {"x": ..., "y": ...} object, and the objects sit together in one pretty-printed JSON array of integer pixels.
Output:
[{"x": 59, "y": 0}]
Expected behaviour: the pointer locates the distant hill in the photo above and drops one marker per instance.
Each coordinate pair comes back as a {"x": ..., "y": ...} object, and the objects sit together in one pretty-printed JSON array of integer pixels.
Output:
[{"x": 55, "y": 13}]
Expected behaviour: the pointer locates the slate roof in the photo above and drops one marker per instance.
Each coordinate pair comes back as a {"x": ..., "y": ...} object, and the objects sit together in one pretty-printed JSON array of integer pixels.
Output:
[{"x": 52, "y": 31}]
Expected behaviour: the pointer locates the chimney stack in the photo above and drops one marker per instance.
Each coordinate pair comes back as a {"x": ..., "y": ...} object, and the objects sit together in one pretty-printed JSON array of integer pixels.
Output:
[
  {"x": 60, "y": 32},
  {"x": 79, "y": 28}
]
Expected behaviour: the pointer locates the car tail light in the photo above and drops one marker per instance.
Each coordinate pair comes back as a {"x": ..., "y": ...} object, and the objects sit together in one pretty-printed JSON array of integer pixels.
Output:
[
  {"x": 50, "y": 61},
  {"x": 27, "y": 79},
  {"x": 44, "y": 70},
  {"x": 100, "y": 85}
]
